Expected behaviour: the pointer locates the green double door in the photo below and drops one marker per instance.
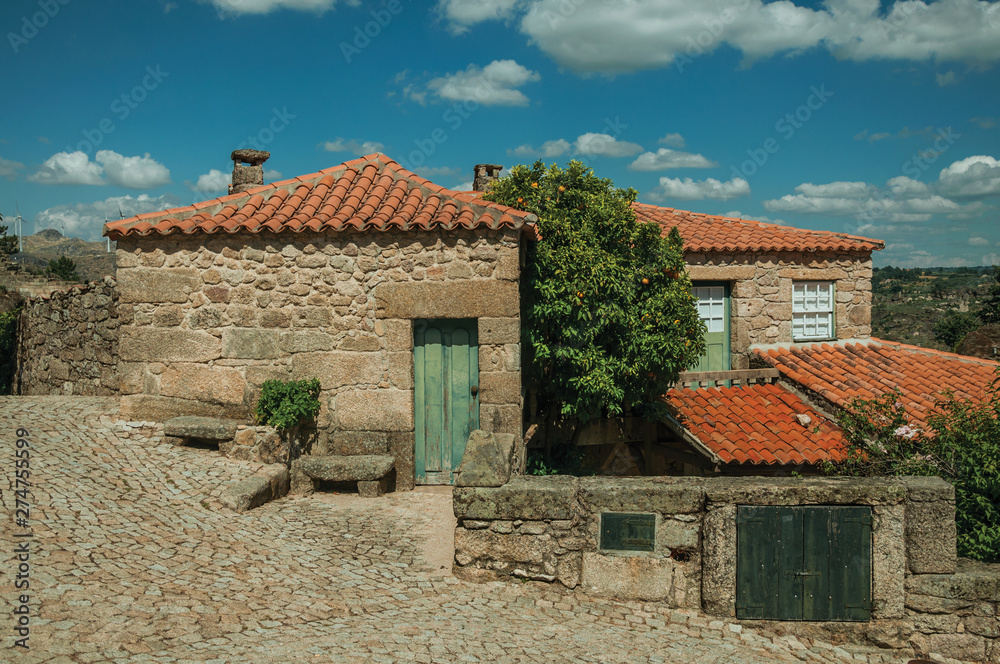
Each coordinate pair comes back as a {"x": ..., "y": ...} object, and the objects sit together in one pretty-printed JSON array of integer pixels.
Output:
[
  {"x": 446, "y": 395},
  {"x": 712, "y": 300},
  {"x": 803, "y": 563}
]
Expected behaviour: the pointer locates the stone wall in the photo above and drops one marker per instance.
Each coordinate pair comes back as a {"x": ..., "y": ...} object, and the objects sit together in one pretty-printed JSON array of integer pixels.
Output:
[
  {"x": 206, "y": 319},
  {"x": 925, "y": 600},
  {"x": 68, "y": 342},
  {"x": 761, "y": 290}
]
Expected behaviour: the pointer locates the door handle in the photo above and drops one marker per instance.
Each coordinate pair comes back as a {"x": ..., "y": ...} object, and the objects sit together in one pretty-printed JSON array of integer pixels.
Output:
[{"x": 474, "y": 389}]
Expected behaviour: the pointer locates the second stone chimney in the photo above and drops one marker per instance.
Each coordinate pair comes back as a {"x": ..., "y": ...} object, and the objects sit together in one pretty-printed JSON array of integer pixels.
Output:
[
  {"x": 248, "y": 170},
  {"x": 484, "y": 174}
]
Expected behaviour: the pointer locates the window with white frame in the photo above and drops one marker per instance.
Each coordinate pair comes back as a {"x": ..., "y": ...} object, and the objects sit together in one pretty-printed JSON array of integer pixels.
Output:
[{"x": 812, "y": 310}]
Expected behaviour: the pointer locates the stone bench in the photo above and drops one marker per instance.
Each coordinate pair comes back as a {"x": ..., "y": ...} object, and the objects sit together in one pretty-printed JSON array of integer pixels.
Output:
[
  {"x": 184, "y": 430},
  {"x": 370, "y": 471}
]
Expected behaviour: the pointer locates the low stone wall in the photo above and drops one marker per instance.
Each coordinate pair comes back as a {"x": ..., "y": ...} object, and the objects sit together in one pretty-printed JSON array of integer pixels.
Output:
[
  {"x": 924, "y": 600},
  {"x": 68, "y": 342}
]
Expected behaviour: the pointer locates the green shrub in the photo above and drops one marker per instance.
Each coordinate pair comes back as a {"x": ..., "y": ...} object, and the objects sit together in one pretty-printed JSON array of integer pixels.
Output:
[
  {"x": 962, "y": 445},
  {"x": 8, "y": 349},
  {"x": 63, "y": 268},
  {"x": 951, "y": 328},
  {"x": 286, "y": 404}
]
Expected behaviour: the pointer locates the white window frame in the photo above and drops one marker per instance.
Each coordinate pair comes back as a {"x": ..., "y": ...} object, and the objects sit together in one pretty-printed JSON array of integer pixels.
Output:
[{"x": 814, "y": 310}]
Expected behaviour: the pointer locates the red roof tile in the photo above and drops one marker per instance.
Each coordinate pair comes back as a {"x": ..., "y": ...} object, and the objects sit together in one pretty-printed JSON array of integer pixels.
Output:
[
  {"x": 841, "y": 372},
  {"x": 756, "y": 424},
  {"x": 372, "y": 192},
  {"x": 707, "y": 232}
]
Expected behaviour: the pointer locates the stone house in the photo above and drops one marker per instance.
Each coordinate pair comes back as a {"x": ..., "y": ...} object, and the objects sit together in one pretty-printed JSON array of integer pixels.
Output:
[{"x": 402, "y": 297}]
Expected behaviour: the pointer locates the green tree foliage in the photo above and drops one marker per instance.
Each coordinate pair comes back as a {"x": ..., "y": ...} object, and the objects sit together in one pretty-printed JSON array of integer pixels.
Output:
[
  {"x": 286, "y": 404},
  {"x": 951, "y": 328},
  {"x": 990, "y": 311},
  {"x": 609, "y": 318},
  {"x": 8, "y": 243},
  {"x": 8, "y": 344},
  {"x": 961, "y": 445},
  {"x": 64, "y": 269}
]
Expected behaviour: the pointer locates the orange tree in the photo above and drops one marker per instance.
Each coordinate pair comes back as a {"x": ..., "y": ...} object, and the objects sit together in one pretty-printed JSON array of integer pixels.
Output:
[{"x": 608, "y": 316}]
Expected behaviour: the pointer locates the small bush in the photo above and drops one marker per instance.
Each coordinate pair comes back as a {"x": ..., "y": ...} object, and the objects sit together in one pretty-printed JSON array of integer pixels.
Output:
[
  {"x": 63, "y": 268},
  {"x": 287, "y": 404},
  {"x": 961, "y": 444},
  {"x": 8, "y": 349},
  {"x": 951, "y": 328}
]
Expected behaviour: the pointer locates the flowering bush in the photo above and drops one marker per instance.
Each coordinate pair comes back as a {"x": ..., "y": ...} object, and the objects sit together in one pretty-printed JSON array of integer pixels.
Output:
[{"x": 962, "y": 445}]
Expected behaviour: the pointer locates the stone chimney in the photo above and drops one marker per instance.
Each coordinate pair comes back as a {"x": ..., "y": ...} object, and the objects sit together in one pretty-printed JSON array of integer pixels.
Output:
[
  {"x": 484, "y": 174},
  {"x": 248, "y": 170}
]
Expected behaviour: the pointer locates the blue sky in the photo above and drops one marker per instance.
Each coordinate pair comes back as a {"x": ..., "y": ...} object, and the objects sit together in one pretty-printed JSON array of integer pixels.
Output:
[{"x": 879, "y": 119}]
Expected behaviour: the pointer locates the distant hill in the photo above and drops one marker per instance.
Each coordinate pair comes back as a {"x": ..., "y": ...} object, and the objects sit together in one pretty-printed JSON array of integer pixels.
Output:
[
  {"x": 908, "y": 303},
  {"x": 92, "y": 259}
]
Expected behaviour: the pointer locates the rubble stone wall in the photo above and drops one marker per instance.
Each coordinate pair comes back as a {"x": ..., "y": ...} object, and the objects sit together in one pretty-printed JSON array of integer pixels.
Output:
[
  {"x": 206, "y": 319},
  {"x": 925, "y": 600},
  {"x": 68, "y": 342},
  {"x": 761, "y": 292}
]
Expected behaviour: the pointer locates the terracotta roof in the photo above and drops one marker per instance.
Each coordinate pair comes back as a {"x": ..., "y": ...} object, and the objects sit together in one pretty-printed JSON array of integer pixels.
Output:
[
  {"x": 756, "y": 424},
  {"x": 708, "y": 232},
  {"x": 372, "y": 192},
  {"x": 841, "y": 372}
]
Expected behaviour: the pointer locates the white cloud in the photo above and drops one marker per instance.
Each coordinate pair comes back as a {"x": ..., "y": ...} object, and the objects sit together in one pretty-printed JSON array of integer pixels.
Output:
[
  {"x": 672, "y": 140},
  {"x": 358, "y": 148},
  {"x": 68, "y": 168},
  {"x": 271, "y": 175},
  {"x": 978, "y": 242},
  {"x": 9, "y": 169},
  {"x": 549, "y": 149},
  {"x": 905, "y": 132},
  {"x": 642, "y": 34},
  {"x": 239, "y": 7},
  {"x": 461, "y": 14},
  {"x": 494, "y": 85},
  {"x": 903, "y": 199},
  {"x": 86, "y": 220},
  {"x": 984, "y": 122},
  {"x": 973, "y": 177},
  {"x": 437, "y": 171},
  {"x": 215, "y": 181},
  {"x": 590, "y": 144},
  {"x": 76, "y": 168},
  {"x": 691, "y": 190},
  {"x": 604, "y": 145},
  {"x": 758, "y": 217},
  {"x": 133, "y": 172},
  {"x": 948, "y": 78},
  {"x": 665, "y": 158}
]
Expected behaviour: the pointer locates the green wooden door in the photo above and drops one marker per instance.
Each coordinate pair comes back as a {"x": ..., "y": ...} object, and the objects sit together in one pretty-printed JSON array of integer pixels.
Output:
[
  {"x": 446, "y": 395},
  {"x": 803, "y": 563},
  {"x": 713, "y": 308}
]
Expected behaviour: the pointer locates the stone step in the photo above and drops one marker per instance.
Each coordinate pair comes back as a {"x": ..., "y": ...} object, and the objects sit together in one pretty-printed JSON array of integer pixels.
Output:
[
  {"x": 360, "y": 468},
  {"x": 205, "y": 428}
]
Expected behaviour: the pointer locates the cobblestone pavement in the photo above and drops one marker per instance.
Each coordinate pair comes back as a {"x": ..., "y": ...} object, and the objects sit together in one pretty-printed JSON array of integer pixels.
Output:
[{"x": 133, "y": 559}]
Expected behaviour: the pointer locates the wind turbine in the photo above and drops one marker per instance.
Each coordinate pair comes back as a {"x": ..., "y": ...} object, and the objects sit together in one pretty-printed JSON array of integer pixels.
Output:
[{"x": 18, "y": 224}]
